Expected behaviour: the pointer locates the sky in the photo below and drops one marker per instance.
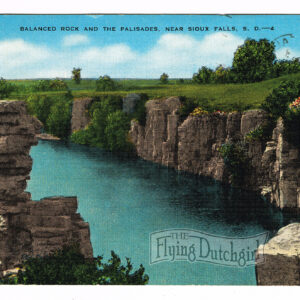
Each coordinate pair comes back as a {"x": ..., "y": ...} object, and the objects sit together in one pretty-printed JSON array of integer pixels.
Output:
[{"x": 134, "y": 54}]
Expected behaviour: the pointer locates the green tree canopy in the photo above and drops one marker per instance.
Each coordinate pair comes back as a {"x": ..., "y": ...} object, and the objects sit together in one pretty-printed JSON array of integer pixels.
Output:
[
  {"x": 76, "y": 75},
  {"x": 164, "y": 78},
  {"x": 253, "y": 60}
]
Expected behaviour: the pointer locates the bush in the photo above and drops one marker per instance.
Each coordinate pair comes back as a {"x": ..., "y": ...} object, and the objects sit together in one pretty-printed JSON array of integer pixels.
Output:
[
  {"x": 284, "y": 67},
  {"x": 276, "y": 104},
  {"x": 68, "y": 266},
  {"x": 236, "y": 161},
  {"x": 256, "y": 134},
  {"x": 49, "y": 85},
  {"x": 253, "y": 60},
  {"x": 5, "y": 88},
  {"x": 105, "y": 83}
]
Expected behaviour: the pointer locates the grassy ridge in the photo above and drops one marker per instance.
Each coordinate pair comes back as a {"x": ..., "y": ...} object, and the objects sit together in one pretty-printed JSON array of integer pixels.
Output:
[{"x": 225, "y": 96}]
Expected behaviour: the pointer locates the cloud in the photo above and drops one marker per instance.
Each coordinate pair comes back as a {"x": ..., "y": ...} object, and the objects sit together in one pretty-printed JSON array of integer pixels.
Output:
[
  {"x": 114, "y": 54},
  {"x": 17, "y": 53},
  {"x": 179, "y": 55},
  {"x": 75, "y": 40},
  {"x": 287, "y": 53}
]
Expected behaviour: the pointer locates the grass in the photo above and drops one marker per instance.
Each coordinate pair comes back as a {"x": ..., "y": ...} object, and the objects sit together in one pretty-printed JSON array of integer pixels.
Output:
[{"x": 225, "y": 96}]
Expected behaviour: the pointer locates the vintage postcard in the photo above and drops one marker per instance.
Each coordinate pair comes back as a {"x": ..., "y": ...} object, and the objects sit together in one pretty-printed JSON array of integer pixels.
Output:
[{"x": 149, "y": 149}]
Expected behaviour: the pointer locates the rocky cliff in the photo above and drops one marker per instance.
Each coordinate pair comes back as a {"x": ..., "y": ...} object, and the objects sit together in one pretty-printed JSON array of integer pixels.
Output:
[
  {"x": 281, "y": 264},
  {"x": 80, "y": 117},
  {"x": 193, "y": 145},
  {"x": 30, "y": 227}
]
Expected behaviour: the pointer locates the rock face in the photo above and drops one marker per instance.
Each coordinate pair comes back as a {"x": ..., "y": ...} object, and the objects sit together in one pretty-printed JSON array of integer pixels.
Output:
[
  {"x": 30, "y": 227},
  {"x": 129, "y": 102},
  {"x": 80, "y": 117},
  {"x": 281, "y": 160},
  {"x": 193, "y": 145},
  {"x": 281, "y": 255}
]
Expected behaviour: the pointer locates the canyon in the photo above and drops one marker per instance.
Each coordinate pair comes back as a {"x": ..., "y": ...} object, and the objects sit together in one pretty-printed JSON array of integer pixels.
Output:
[{"x": 192, "y": 145}]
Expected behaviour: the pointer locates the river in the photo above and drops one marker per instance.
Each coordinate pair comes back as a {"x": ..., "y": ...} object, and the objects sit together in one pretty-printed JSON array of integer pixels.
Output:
[{"x": 125, "y": 199}]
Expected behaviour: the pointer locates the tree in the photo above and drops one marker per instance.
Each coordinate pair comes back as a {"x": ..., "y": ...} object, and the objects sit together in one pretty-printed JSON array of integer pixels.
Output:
[
  {"x": 204, "y": 75},
  {"x": 76, "y": 75},
  {"x": 116, "y": 132},
  {"x": 164, "y": 78},
  {"x": 59, "y": 119},
  {"x": 105, "y": 83},
  {"x": 253, "y": 60}
]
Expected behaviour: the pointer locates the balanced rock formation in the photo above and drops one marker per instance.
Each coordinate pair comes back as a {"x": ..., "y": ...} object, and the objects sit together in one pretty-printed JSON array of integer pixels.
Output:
[
  {"x": 30, "y": 228},
  {"x": 281, "y": 258}
]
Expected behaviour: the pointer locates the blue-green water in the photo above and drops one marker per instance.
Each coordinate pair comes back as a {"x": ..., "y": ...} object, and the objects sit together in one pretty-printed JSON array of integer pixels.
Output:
[{"x": 125, "y": 199}]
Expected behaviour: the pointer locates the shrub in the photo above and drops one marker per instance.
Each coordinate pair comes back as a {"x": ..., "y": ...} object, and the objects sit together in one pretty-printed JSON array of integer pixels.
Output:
[
  {"x": 49, "y": 85},
  {"x": 236, "y": 161},
  {"x": 276, "y": 104},
  {"x": 5, "y": 88},
  {"x": 105, "y": 83},
  {"x": 284, "y": 67},
  {"x": 253, "y": 60},
  {"x": 164, "y": 78},
  {"x": 68, "y": 266},
  {"x": 255, "y": 134},
  {"x": 198, "y": 111}
]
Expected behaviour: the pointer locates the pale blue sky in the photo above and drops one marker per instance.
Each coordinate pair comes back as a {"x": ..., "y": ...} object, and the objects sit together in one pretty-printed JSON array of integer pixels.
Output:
[{"x": 131, "y": 54}]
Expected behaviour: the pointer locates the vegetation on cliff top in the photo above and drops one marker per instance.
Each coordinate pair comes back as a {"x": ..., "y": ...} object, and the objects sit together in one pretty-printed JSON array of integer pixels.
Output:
[{"x": 68, "y": 266}]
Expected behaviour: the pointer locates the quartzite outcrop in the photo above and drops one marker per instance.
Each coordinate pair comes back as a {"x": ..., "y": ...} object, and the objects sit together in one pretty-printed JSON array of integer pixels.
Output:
[
  {"x": 30, "y": 228},
  {"x": 281, "y": 258},
  {"x": 192, "y": 146}
]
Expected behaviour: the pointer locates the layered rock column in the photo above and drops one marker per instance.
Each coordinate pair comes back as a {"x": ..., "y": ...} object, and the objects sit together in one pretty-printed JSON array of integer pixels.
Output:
[
  {"x": 30, "y": 228},
  {"x": 192, "y": 146},
  {"x": 80, "y": 115},
  {"x": 281, "y": 160}
]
